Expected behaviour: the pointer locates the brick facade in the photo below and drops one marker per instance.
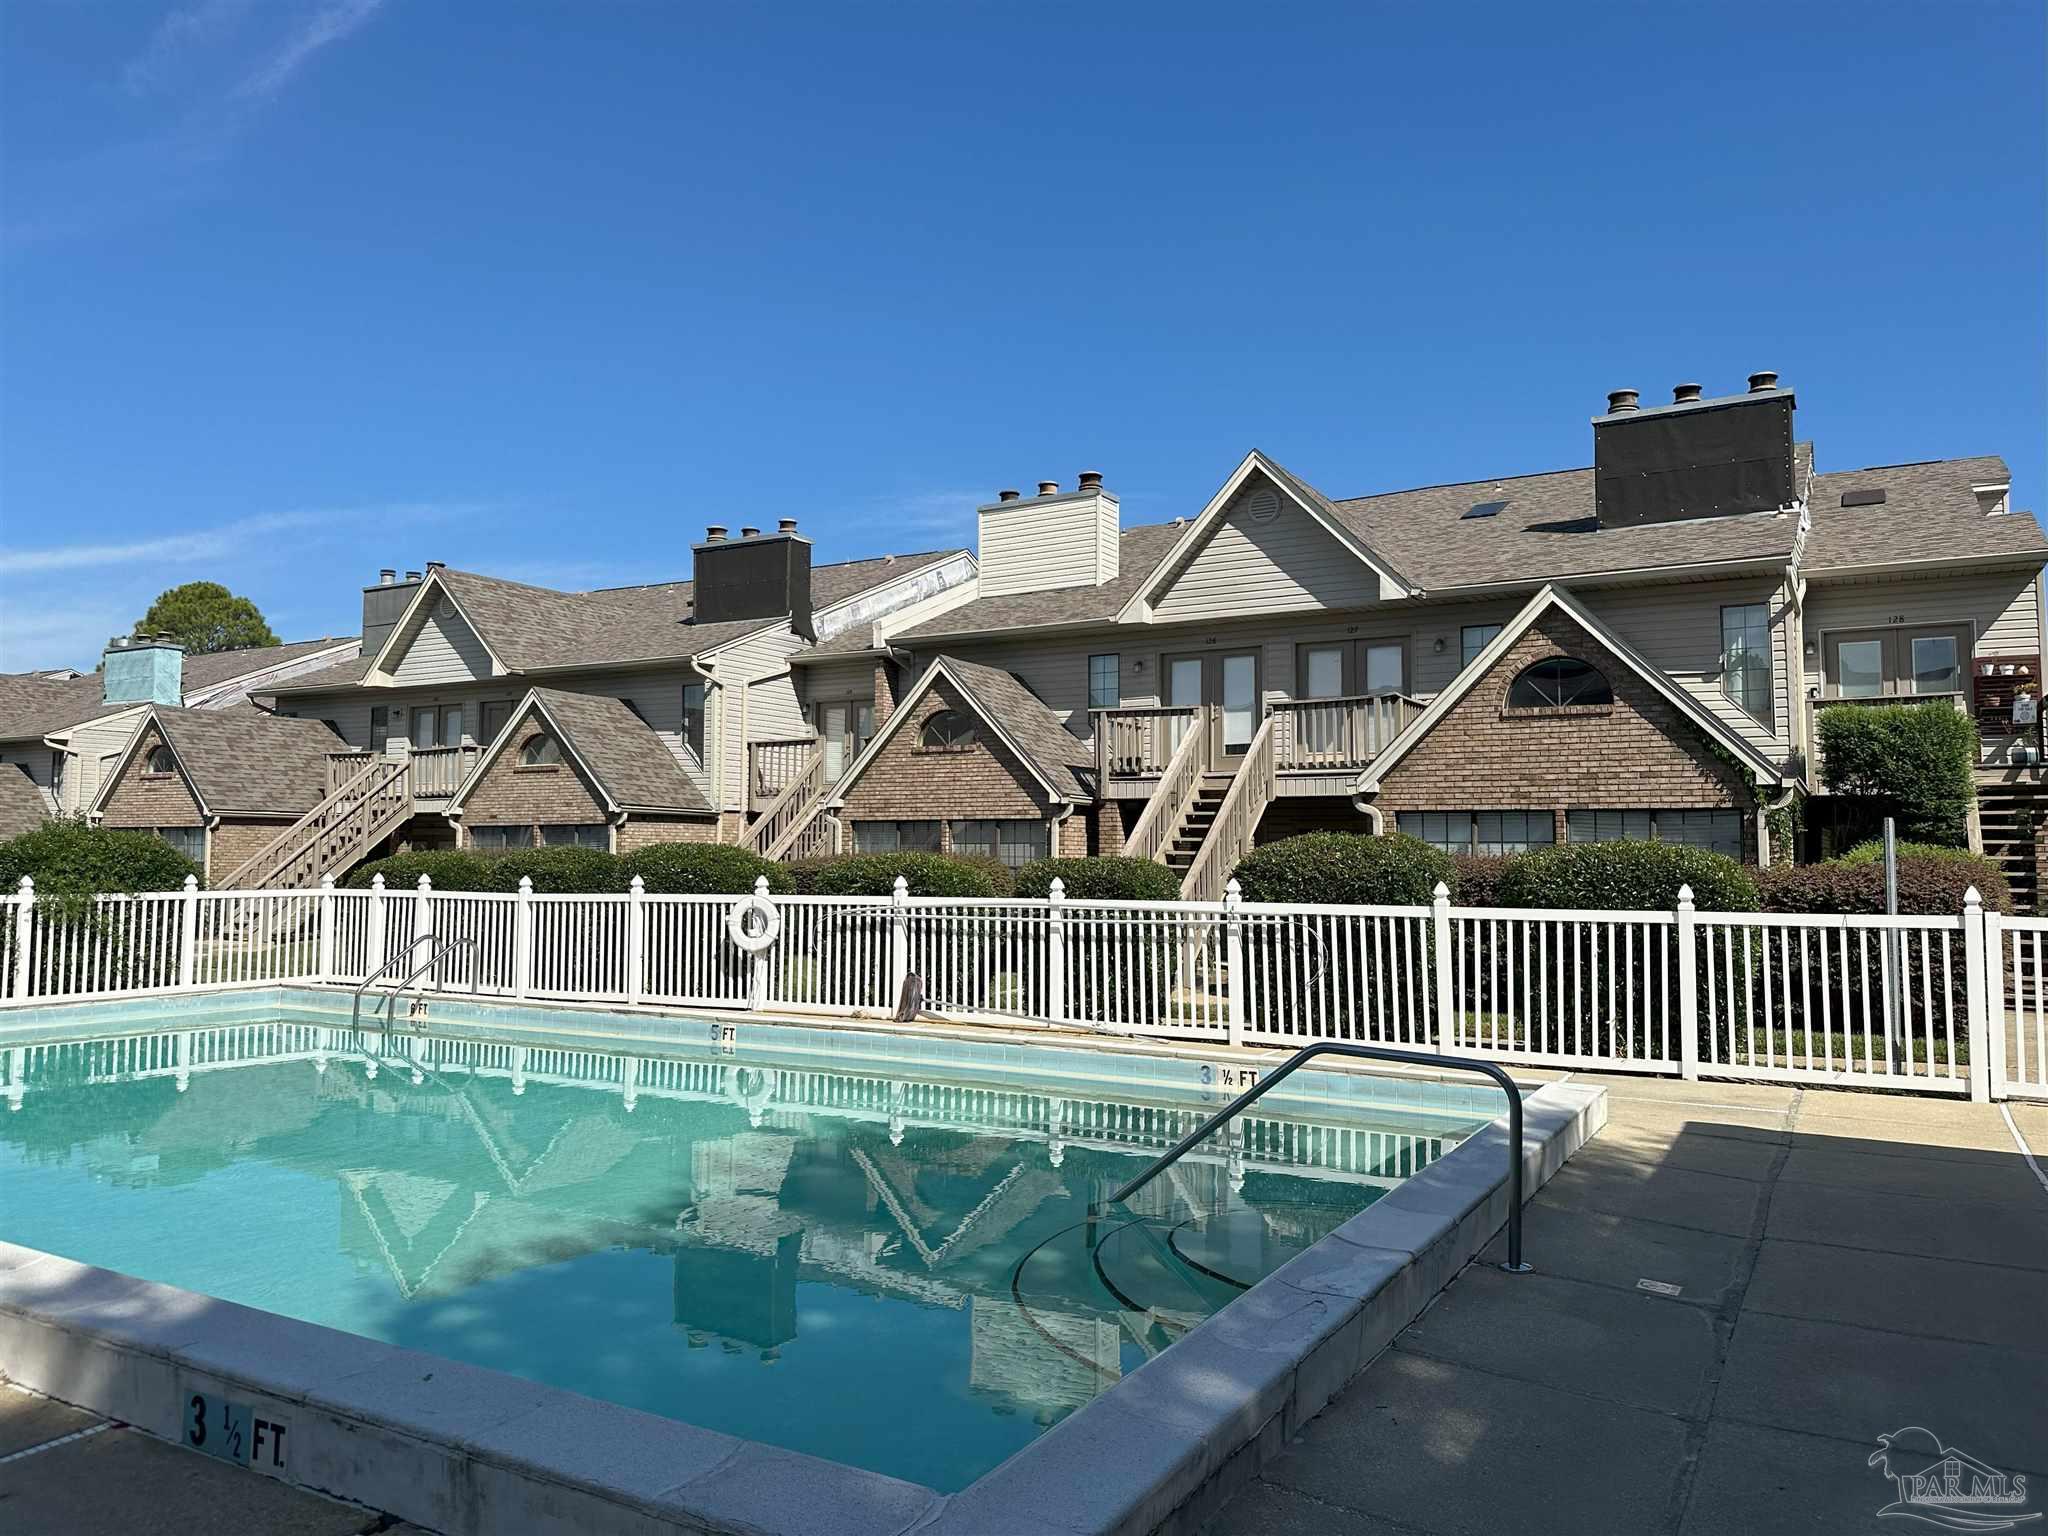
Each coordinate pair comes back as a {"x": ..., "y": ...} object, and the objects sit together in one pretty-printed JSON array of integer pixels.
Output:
[
  {"x": 909, "y": 782},
  {"x": 239, "y": 839},
  {"x": 144, "y": 799},
  {"x": 645, "y": 831},
  {"x": 885, "y": 693},
  {"x": 1641, "y": 753},
  {"x": 511, "y": 795}
]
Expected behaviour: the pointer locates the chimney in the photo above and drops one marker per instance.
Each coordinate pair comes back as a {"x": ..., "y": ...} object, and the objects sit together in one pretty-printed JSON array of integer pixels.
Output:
[
  {"x": 756, "y": 576},
  {"x": 382, "y": 605},
  {"x": 387, "y": 576},
  {"x": 1050, "y": 540},
  {"x": 143, "y": 669},
  {"x": 1694, "y": 457}
]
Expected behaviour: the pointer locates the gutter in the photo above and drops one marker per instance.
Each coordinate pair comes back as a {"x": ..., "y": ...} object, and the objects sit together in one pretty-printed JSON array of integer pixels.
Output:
[{"x": 2021, "y": 560}]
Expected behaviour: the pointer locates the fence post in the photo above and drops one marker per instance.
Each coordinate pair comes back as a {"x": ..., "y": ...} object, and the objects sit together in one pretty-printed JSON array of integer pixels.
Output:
[
  {"x": 1233, "y": 959},
  {"x": 1441, "y": 962},
  {"x": 1986, "y": 1034},
  {"x": 758, "y": 990},
  {"x": 373, "y": 928},
  {"x": 522, "y": 946},
  {"x": 636, "y": 939},
  {"x": 899, "y": 940},
  {"x": 422, "y": 928},
  {"x": 1688, "y": 988},
  {"x": 24, "y": 932},
  {"x": 1056, "y": 951},
  {"x": 324, "y": 957},
  {"x": 188, "y": 933}
]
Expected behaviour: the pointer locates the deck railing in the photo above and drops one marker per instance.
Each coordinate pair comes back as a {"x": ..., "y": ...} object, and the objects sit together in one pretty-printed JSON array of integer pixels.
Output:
[
  {"x": 1230, "y": 839},
  {"x": 437, "y": 772},
  {"x": 344, "y": 766},
  {"x": 1930, "y": 1004},
  {"x": 336, "y": 832},
  {"x": 771, "y": 765},
  {"x": 1138, "y": 743},
  {"x": 1166, "y": 809},
  {"x": 1338, "y": 734}
]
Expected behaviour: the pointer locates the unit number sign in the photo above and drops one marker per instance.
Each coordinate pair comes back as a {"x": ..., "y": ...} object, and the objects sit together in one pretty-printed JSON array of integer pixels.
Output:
[{"x": 236, "y": 1432}]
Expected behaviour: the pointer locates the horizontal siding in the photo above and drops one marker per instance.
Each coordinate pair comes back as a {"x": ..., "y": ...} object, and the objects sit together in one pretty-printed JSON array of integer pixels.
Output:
[
  {"x": 2001, "y": 608},
  {"x": 445, "y": 650},
  {"x": 1678, "y": 630},
  {"x": 96, "y": 748},
  {"x": 1034, "y": 548},
  {"x": 750, "y": 709},
  {"x": 838, "y": 680},
  {"x": 1288, "y": 565}
]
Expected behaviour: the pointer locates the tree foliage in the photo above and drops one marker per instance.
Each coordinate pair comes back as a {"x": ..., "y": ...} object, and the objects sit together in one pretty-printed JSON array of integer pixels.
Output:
[
  {"x": 1917, "y": 761},
  {"x": 204, "y": 616}
]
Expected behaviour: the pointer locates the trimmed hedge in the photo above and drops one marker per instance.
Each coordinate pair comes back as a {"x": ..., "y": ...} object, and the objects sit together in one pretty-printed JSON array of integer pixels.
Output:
[
  {"x": 927, "y": 874},
  {"x": 1001, "y": 878},
  {"x": 702, "y": 869},
  {"x": 1478, "y": 882},
  {"x": 554, "y": 871},
  {"x": 451, "y": 869},
  {"x": 1346, "y": 867},
  {"x": 1627, "y": 876},
  {"x": 72, "y": 858},
  {"x": 1931, "y": 884},
  {"x": 1918, "y": 760},
  {"x": 1101, "y": 879}
]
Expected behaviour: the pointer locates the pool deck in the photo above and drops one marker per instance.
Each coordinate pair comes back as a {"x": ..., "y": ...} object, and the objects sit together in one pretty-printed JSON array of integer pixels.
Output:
[{"x": 1850, "y": 1264}]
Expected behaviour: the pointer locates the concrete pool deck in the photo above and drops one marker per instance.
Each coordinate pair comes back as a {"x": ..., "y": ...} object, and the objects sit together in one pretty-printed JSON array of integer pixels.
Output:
[{"x": 1849, "y": 1263}]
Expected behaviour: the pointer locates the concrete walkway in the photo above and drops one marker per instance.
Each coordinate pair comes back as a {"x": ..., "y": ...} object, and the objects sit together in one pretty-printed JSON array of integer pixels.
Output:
[{"x": 1846, "y": 1265}]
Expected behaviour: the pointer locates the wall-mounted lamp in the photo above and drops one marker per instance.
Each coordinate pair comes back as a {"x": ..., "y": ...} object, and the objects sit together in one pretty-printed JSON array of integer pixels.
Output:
[{"x": 1437, "y": 645}]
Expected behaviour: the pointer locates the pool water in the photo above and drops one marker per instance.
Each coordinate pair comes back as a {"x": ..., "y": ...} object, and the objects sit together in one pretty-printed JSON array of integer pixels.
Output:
[{"x": 900, "y": 1272}]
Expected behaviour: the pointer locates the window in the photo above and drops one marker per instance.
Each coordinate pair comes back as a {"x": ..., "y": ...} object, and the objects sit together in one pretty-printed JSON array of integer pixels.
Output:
[
  {"x": 496, "y": 712},
  {"x": 1746, "y": 657},
  {"x": 58, "y": 760},
  {"x": 1894, "y": 663},
  {"x": 693, "y": 719},
  {"x": 160, "y": 760},
  {"x": 1720, "y": 831},
  {"x": 500, "y": 837},
  {"x": 541, "y": 751},
  {"x": 1489, "y": 832},
  {"x": 896, "y": 836},
  {"x": 1559, "y": 682},
  {"x": 190, "y": 841},
  {"x": 1105, "y": 685},
  {"x": 582, "y": 835},
  {"x": 1381, "y": 667},
  {"x": 1016, "y": 843},
  {"x": 948, "y": 731},
  {"x": 1935, "y": 668},
  {"x": 1472, "y": 639},
  {"x": 380, "y": 728},
  {"x": 1330, "y": 669}
]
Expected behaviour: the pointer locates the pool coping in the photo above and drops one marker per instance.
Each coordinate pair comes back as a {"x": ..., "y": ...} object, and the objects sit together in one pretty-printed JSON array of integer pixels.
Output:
[{"x": 461, "y": 1448}]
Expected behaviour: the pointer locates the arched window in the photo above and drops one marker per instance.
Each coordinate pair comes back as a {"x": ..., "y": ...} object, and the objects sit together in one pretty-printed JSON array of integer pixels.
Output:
[
  {"x": 540, "y": 752},
  {"x": 1557, "y": 681},
  {"x": 949, "y": 728},
  {"x": 160, "y": 760}
]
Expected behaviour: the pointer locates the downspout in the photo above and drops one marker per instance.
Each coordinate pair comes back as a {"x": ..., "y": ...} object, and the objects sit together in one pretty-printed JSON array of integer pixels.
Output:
[
  {"x": 1059, "y": 819},
  {"x": 1371, "y": 813},
  {"x": 713, "y": 690}
]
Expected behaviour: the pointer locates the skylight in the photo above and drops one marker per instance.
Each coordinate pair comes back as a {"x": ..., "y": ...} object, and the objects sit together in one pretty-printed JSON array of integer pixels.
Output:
[
  {"x": 1485, "y": 509},
  {"x": 1869, "y": 497}
]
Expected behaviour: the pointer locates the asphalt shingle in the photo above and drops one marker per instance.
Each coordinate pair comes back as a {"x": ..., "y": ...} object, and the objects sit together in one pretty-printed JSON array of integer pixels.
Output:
[
  {"x": 632, "y": 764},
  {"x": 245, "y": 759}
]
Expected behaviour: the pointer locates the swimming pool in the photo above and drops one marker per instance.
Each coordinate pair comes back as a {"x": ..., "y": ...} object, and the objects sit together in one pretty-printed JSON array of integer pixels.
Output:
[{"x": 878, "y": 1250}]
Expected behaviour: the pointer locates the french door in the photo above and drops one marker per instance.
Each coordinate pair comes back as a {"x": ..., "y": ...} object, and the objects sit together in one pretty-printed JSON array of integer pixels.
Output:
[
  {"x": 843, "y": 729},
  {"x": 1883, "y": 663},
  {"x": 1229, "y": 680}
]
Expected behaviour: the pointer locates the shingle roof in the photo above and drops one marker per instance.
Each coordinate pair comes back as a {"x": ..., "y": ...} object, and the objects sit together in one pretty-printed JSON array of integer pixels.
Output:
[
  {"x": 1028, "y": 721},
  {"x": 631, "y": 763},
  {"x": 1138, "y": 551},
  {"x": 1929, "y": 513},
  {"x": 244, "y": 759},
  {"x": 33, "y": 707},
  {"x": 22, "y": 806}
]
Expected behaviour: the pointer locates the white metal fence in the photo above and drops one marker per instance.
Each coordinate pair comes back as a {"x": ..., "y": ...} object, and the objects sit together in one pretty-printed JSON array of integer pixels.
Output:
[{"x": 1945, "y": 1004}]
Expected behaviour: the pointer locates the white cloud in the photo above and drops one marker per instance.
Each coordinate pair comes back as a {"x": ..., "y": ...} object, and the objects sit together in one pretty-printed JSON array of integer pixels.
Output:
[
  {"x": 330, "y": 24},
  {"x": 221, "y": 542},
  {"x": 187, "y": 32}
]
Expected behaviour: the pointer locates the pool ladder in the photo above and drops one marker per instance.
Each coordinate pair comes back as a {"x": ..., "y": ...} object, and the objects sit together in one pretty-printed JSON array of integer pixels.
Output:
[
  {"x": 355, "y": 1015},
  {"x": 1238, "y": 1105}
]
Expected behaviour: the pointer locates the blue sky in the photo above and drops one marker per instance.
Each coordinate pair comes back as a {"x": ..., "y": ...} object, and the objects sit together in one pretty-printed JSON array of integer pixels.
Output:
[{"x": 293, "y": 289}]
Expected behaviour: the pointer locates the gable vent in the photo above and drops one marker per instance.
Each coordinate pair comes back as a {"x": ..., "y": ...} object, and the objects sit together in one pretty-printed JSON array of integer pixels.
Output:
[{"x": 1261, "y": 504}]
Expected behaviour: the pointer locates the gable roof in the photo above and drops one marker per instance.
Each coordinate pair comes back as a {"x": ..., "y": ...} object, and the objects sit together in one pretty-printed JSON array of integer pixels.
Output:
[
  {"x": 241, "y": 759},
  {"x": 627, "y": 763},
  {"x": 22, "y": 806},
  {"x": 1020, "y": 720},
  {"x": 1711, "y": 725},
  {"x": 1930, "y": 512}
]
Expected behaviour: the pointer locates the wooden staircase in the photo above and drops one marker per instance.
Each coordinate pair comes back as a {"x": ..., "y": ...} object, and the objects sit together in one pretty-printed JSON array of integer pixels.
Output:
[
  {"x": 2008, "y": 811},
  {"x": 795, "y": 825},
  {"x": 336, "y": 834},
  {"x": 1196, "y": 823}
]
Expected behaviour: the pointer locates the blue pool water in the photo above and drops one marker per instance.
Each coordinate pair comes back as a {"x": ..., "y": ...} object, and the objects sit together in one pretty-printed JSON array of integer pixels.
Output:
[{"x": 891, "y": 1269}]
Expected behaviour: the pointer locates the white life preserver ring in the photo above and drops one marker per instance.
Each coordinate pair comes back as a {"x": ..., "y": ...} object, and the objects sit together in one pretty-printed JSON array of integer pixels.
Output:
[{"x": 749, "y": 936}]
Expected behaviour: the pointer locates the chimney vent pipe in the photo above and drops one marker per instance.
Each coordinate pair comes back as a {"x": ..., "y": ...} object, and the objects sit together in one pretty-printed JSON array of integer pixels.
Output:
[
  {"x": 1619, "y": 400},
  {"x": 412, "y": 575},
  {"x": 1008, "y": 495},
  {"x": 387, "y": 575},
  {"x": 1048, "y": 487},
  {"x": 786, "y": 525},
  {"x": 715, "y": 534},
  {"x": 1759, "y": 382},
  {"x": 1684, "y": 394},
  {"x": 1091, "y": 479},
  {"x": 437, "y": 565},
  {"x": 750, "y": 533}
]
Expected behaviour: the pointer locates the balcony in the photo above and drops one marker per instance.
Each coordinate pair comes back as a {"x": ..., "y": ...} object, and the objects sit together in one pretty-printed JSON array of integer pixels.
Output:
[
  {"x": 436, "y": 771},
  {"x": 773, "y": 765},
  {"x": 1316, "y": 741}
]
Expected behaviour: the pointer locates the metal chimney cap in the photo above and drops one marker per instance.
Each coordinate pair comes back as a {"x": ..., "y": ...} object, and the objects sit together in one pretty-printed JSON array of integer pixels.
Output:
[
  {"x": 1684, "y": 394},
  {"x": 386, "y": 575},
  {"x": 1091, "y": 479},
  {"x": 437, "y": 565},
  {"x": 1619, "y": 400},
  {"x": 1048, "y": 487},
  {"x": 785, "y": 525},
  {"x": 750, "y": 533},
  {"x": 1759, "y": 382},
  {"x": 715, "y": 534},
  {"x": 1008, "y": 495},
  {"x": 412, "y": 575}
]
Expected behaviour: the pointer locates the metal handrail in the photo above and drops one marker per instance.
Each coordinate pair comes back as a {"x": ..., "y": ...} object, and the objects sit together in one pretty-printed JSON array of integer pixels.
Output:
[
  {"x": 1238, "y": 1105},
  {"x": 355, "y": 1013}
]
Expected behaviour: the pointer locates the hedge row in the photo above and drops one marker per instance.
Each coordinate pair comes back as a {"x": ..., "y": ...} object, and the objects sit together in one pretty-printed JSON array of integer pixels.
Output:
[
  {"x": 71, "y": 858},
  {"x": 666, "y": 869}
]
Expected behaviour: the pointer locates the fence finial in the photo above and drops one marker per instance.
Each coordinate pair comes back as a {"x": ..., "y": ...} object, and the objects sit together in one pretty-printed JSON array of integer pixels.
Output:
[
  {"x": 377, "y": 882},
  {"x": 425, "y": 884},
  {"x": 1233, "y": 890},
  {"x": 28, "y": 884},
  {"x": 327, "y": 881},
  {"x": 191, "y": 882},
  {"x": 760, "y": 884},
  {"x": 1971, "y": 900},
  {"x": 902, "y": 886},
  {"x": 1685, "y": 896},
  {"x": 526, "y": 884},
  {"x": 635, "y": 888},
  {"x": 1057, "y": 891},
  {"x": 1442, "y": 891}
]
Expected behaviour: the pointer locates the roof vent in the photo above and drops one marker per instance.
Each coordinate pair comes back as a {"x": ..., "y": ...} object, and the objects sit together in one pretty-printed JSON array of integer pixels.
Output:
[
  {"x": 715, "y": 533},
  {"x": 437, "y": 565},
  {"x": 1759, "y": 382},
  {"x": 1869, "y": 496},
  {"x": 387, "y": 575},
  {"x": 1621, "y": 400},
  {"x": 1685, "y": 394},
  {"x": 1048, "y": 487},
  {"x": 786, "y": 525},
  {"x": 750, "y": 533},
  {"x": 412, "y": 575},
  {"x": 1091, "y": 480},
  {"x": 1008, "y": 495}
]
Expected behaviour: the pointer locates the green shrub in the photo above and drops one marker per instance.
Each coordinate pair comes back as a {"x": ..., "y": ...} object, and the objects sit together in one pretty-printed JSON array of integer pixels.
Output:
[
  {"x": 1917, "y": 760},
  {"x": 72, "y": 858},
  {"x": 1627, "y": 876},
  {"x": 1100, "y": 879},
  {"x": 928, "y": 874},
  {"x": 451, "y": 869},
  {"x": 558, "y": 871},
  {"x": 1931, "y": 884},
  {"x": 1346, "y": 867},
  {"x": 804, "y": 873},
  {"x": 1002, "y": 879},
  {"x": 702, "y": 869},
  {"x": 1478, "y": 882}
]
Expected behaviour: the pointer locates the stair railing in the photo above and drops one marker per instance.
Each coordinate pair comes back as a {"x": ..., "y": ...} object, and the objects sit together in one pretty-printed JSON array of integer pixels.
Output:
[
  {"x": 1175, "y": 794},
  {"x": 1230, "y": 836},
  {"x": 352, "y": 816},
  {"x": 777, "y": 826}
]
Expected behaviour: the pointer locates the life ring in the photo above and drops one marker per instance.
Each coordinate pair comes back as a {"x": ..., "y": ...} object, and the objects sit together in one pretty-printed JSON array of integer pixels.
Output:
[{"x": 742, "y": 930}]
